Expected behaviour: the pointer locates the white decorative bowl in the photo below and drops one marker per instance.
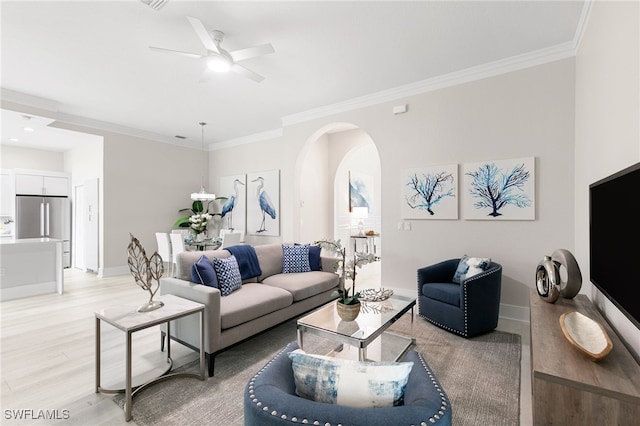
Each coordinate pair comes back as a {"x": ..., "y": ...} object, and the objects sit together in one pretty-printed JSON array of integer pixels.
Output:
[
  {"x": 588, "y": 336},
  {"x": 375, "y": 295}
]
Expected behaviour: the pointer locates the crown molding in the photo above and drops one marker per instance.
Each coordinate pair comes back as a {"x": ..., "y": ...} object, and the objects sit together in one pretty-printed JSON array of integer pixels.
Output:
[
  {"x": 256, "y": 137},
  {"x": 582, "y": 23},
  {"x": 29, "y": 100},
  {"x": 503, "y": 66},
  {"x": 53, "y": 108}
]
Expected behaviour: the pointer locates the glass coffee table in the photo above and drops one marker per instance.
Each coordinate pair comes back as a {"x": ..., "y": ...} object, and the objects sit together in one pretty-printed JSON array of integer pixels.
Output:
[{"x": 365, "y": 338}]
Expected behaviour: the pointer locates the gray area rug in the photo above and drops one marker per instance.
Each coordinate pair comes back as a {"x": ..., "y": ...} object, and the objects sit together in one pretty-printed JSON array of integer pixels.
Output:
[{"x": 480, "y": 375}]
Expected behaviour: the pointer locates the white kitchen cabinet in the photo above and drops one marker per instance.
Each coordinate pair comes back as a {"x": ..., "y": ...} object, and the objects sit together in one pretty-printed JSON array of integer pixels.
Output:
[{"x": 35, "y": 184}]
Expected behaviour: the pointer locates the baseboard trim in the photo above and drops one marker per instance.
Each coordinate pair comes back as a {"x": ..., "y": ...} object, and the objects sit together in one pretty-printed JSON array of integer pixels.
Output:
[
  {"x": 514, "y": 312},
  {"x": 113, "y": 272}
]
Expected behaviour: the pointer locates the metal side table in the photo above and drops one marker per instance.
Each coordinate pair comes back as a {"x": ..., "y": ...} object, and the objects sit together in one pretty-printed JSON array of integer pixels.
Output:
[{"x": 127, "y": 319}]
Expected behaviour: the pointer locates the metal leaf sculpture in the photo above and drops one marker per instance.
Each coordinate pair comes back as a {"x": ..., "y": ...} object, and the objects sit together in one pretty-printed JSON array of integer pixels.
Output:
[{"x": 145, "y": 271}]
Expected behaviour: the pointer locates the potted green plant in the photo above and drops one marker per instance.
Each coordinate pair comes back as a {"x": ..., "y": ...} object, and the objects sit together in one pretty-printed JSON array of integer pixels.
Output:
[
  {"x": 199, "y": 216},
  {"x": 348, "y": 305}
]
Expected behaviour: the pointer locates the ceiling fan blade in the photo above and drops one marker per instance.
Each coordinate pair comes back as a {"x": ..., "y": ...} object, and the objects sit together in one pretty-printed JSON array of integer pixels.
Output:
[
  {"x": 252, "y": 52},
  {"x": 203, "y": 34},
  {"x": 240, "y": 70},
  {"x": 176, "y": 52}
]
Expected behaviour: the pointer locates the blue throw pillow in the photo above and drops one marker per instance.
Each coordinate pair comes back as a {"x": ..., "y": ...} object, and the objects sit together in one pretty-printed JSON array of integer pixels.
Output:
[
  {"x": 202, "y": 272},
  {"x": 228, "y": 274},
  {"x": 314, "y": 258},
  {"x": 295, "y": 258}
]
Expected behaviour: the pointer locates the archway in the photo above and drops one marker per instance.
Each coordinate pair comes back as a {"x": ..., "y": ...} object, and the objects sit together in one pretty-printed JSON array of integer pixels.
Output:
[{"x": 321, "y": 190}]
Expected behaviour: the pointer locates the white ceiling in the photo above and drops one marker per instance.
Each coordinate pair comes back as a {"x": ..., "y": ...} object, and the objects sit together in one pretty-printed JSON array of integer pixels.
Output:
[{"x": 90, "y": 61}]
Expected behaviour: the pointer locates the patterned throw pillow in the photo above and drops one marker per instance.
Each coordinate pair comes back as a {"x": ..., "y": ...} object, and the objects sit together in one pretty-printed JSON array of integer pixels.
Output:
[
  {"x": 349, "y": 383},
  {"x": 295, "y": 258},
  {"x": 470, "y": 266},
  {"x": 228, "y": 274},
  {"x": 202, "y": 272}
]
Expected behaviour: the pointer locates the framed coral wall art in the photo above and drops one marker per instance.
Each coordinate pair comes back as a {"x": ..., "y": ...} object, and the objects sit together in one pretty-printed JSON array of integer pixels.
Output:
[
  {"x": 500, "y": 190},
  {"x": 234, "y": 209},
  {"x": 430, "y": 192},
  {"x": 263, "y": 203},
  {"x": 360, "y": 190}
]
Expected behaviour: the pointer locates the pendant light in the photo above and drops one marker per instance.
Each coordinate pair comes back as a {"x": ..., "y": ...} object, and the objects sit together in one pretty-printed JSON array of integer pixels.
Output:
[{"x": 203, "y": 195}]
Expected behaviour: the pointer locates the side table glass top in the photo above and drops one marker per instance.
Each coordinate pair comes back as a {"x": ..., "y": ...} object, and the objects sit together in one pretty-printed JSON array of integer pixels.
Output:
[{"x": 373, "y": 316}]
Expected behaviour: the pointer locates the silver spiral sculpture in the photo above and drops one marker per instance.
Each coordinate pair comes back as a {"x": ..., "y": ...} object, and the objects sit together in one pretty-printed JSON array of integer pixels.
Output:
[{"x": 549, "y": 283}]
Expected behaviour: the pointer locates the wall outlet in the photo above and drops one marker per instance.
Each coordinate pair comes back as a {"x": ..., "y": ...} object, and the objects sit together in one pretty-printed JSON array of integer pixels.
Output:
[
  {"x": 2, "y": 272},
  {"x": 407, "y": 225},
  {"x": 400, "y": 226}
]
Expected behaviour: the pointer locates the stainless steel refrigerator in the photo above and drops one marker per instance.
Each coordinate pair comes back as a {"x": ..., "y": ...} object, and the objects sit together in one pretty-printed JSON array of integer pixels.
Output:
[{"x": 38, "y": 216}]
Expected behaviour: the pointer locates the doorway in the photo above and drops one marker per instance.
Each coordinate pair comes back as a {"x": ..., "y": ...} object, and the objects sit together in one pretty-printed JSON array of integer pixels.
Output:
[{"x": 330, "y": 158}]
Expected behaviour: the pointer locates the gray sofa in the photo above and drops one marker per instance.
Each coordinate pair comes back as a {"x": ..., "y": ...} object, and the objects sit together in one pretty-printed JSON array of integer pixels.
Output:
[{"x": 261, "y": 302}]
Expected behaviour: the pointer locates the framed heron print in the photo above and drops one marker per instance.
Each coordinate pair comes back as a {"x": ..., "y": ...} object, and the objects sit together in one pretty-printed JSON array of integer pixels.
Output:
[
  {"x": 263, "y": 203},
  {"x": 234, "y": 209}
]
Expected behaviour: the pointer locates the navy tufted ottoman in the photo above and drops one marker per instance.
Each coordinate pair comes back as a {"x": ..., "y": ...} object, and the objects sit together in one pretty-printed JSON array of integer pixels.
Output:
[{"x": 270, "y": 399}]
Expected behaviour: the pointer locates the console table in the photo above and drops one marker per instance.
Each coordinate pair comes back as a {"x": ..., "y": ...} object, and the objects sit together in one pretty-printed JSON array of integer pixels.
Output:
[{"x": 570, "y": 389}]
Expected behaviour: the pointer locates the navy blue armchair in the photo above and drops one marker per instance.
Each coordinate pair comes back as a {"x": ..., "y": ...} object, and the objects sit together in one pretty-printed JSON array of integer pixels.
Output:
[
  {"x": 469, "y": 308},
  {"x": 270, "y": 400}
]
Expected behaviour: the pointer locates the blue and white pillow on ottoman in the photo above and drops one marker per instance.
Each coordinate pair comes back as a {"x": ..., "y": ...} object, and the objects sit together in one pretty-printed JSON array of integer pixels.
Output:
[
  {"x": 349, "y": 383},
  {"x": 228, "y": 274}
]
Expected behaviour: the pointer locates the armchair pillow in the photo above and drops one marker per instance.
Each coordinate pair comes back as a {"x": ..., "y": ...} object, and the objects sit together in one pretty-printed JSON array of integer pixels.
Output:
[
  {"x": 228, "y": 274},
  {"x": 349, "y": 383},
  {"x": 470, "y": 266},
  {"x": 202, "y": 272},
  {"x": 295, "y": 258}
]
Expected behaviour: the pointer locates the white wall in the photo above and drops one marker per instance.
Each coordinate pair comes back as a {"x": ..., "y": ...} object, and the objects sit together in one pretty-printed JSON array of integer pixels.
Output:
[
  {"x": 16, "y": 157},
  {"x": 607, "y": 124},
  {"x": 527, "y": 113}
]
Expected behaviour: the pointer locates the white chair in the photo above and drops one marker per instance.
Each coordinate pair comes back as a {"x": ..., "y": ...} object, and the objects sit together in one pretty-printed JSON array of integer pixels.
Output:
[
  {"x": 177, "y": 245},
  {"x": 164, "y": 249},
  {"x": 230, "y": 239}
]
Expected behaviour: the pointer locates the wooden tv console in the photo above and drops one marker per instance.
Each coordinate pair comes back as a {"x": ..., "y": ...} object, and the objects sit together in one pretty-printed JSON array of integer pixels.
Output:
[{"x": 570, "y": 389}]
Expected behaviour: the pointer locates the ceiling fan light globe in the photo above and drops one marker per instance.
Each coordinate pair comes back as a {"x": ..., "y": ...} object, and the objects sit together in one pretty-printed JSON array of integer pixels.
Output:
[{"x": 219, "y": 64}]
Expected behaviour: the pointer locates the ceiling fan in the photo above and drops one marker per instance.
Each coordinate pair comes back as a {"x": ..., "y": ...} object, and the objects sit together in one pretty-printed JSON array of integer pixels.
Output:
[{"x": 219, "y": 59}]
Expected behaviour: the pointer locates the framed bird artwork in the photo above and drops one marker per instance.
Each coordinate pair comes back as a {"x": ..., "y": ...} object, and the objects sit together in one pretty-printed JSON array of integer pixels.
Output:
[
  {"x": 263, "y": 203},
  {"x": 234, "y": 210}
]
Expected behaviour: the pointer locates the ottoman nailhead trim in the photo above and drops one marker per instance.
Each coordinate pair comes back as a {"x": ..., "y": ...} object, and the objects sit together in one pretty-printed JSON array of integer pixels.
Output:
[{"x": 432, "y": 419}]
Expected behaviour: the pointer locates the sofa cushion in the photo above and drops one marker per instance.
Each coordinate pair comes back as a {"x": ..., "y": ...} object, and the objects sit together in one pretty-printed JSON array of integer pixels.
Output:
[
  {"x": 295, "y": 258},
  {"x": 443, "y": 292},
  {"x": 252, "y": 301},
  {"x": 202, "y": 272},
  {"x": 228, "y": 274},
  {"x": 270, "y": 258},
  {"x": 303, "y": 284},
  {"x": 349, "y": 383}
]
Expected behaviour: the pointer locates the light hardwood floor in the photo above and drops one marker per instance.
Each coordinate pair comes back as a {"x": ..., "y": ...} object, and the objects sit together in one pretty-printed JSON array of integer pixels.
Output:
[{"x": 47, "y": 353}]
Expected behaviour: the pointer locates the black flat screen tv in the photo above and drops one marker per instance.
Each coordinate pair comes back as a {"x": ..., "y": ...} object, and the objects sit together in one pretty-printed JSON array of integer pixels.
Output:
[{"x": 614, "y": 239}]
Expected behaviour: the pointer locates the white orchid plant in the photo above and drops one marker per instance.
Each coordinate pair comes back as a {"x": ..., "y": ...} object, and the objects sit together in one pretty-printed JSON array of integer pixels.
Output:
[
  {"x": 200, "y": 216},
  {"x": 347, "y": 268},
  {"x": 198, "y": 222}
]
